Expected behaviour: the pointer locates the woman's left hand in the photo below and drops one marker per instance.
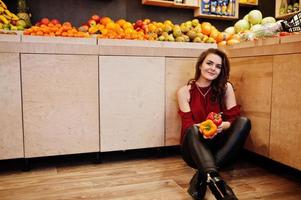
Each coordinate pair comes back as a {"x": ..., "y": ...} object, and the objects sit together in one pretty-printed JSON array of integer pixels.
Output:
[{"x": 224, "y": 125}]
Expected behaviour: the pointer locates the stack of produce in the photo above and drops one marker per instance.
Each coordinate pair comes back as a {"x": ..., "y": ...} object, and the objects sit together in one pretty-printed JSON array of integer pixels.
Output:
[
  {"x": 46, "y": 27},
  {"x": 105, "y": 27},
  {"x": 10, "y": 21},
  {"x": 253, "y": 26}
]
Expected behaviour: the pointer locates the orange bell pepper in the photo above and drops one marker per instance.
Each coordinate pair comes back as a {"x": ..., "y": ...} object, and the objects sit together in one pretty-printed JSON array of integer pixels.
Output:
[{"x": 208, "y": 128}]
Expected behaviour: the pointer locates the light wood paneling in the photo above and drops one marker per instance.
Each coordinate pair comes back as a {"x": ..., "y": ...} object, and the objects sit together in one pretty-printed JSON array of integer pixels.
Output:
[
  {"x": 286, "y": 109},
  {"x": 178, "y": 72},
  {"x": 252, "y": 78},
  {"x": 131, "y": 102},
  {"x": 60, "y": 101},
  {"x": 11, "y": 135}
]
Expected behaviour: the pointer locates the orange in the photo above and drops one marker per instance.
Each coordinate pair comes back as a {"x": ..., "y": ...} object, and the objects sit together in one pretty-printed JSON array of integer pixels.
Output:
[
  {"x": 206, "y": 28},
  {"x": 214, "y": 34},
  {"x": 235, "y": 36},
  {"x": 121, "y": 22},
  {"x": 67, "y": 24},
  {"x": 105, "y": 20},
  {"x": 40, "y": 33},
  {"x": 232, "y": 42},
  {"x": 222, "y": 43},
  {"x": 223, "y": 36},
  {"x": 110, "y": 25},
  {"x": 64, "y": 34},
  {"x": 127, "y": 25}
]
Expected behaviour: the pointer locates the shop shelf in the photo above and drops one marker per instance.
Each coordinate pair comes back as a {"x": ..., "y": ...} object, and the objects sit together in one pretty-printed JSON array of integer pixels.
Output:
[
  {"x": 285, "y": 15},
  {"x": 191, "y": 4}
]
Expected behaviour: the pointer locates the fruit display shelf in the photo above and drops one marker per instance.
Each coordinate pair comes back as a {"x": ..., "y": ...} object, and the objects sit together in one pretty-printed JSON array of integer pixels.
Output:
[
  {"x": 10, "y": 37},
  {"x": 61, "y": 40},
  {"x": 151, "y": 48}
]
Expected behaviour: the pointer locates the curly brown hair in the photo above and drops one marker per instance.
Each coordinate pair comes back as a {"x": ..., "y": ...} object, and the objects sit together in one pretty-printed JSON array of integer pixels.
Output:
[{"x": 219, "y": 85}]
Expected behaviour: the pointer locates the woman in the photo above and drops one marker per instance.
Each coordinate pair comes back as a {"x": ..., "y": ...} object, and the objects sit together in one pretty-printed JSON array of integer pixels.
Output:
[{"x": 210, "y": 91}]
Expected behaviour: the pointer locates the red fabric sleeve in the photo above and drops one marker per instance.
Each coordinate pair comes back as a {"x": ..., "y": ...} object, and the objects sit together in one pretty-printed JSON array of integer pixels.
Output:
[
  {"x": 187, "y": 121},
  {"x": 231, "y": 114}
]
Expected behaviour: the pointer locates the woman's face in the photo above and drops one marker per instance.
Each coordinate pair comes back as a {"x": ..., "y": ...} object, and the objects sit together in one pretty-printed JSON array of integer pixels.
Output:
[{"x": 211, "y": 67}]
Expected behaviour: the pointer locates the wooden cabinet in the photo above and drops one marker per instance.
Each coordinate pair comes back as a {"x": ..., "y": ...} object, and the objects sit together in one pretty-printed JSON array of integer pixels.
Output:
[
  {"x": 11, "y": 133},
  {"x": 131, "y": 102},
  {"x": 178, "y": 72},
  {"x": 189, "y": 4},
  {"x": 281, "y": 9},
  {"x": 60, "y": 104},
  {"x": 286, "y": 108},
  {"x": 252, "y": 79}
]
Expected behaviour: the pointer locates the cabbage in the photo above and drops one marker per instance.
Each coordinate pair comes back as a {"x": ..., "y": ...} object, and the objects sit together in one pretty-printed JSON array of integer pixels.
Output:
[
  {"x": 230, "y": 30},
  {"x": 256, "y": 27},
  {"x": 266, "y": 30},
  {"x": 246, "y": 17},
  {"x": 241, "y": 25},
  {"x": 255, "y": 17},
  {"x": 267, "y": 20}
]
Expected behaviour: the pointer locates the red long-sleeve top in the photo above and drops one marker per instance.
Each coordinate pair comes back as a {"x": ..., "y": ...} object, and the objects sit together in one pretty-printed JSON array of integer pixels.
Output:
[{"x": 201, "y": 106}]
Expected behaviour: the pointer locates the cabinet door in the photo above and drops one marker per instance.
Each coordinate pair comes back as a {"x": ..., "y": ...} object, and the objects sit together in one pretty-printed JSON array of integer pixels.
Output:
[
  {"x": 11, "y": 135},
  {"x": 60, "y": 102},
  {"x": 286, "y": 109},
  {"x": 178, "y": 72},
  {"x": 252, "y": 78},
  {"x": 131, "y": 102}
]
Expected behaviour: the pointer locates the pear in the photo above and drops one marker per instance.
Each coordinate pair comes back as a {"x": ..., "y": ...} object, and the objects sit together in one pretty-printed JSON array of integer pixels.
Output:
[
  {"x": 161, "y": 38},
  {"x": 195, "y": 22},
  {"x": 197, "y": 39},
  {"x": 192, "y": 34},
  {"x": 184, "y": 28},
  {"x": 170, "y": 38},
  {"x": 21, "y": 22},
  {"x": 188, "y": 24},
  {"x": 186, "y": 38},
  {"x": 180, "y": 39},
  {"x": 167, "y": 28},
  {"x": 177, "y": 31}
]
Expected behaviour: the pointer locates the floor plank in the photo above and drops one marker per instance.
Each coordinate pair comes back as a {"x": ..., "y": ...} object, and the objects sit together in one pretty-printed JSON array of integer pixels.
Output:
[{"x": 143, "y": 176}]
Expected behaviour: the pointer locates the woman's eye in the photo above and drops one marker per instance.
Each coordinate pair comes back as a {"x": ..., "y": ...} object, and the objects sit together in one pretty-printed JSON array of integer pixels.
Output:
[{"x": 218, "y": 66}]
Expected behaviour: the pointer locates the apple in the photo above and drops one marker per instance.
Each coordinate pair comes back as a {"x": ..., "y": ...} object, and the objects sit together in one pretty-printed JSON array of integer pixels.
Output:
[
  {"x": 139, "y": 23},
  {"x": 96, "y": 18},
  {"x": 13, "y": 22},
  {"x": 45, "y": 21},
  {"x": 92, "y": 22},
  {"x": 83, "y": 28},
  {"x": 144, "y": 27},
  {"x": 55, "y": 21}
]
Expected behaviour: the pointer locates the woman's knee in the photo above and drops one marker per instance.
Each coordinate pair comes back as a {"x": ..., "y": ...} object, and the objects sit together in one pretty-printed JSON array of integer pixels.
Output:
[
  {"x": 243, "y": 124},
  {"x": 191, "y": 133}
]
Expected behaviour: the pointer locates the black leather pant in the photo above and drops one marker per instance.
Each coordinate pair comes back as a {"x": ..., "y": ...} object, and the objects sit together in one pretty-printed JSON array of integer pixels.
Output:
[{"x": 210, "y": 155}]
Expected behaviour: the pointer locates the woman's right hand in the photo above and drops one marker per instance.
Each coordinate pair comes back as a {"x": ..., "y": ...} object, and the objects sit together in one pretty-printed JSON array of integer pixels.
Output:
[{"x": 184, "y": 98}]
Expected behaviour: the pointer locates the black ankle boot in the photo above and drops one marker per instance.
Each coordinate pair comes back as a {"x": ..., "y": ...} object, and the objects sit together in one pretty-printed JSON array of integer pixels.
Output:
[
  {"x": 198, "y": 187},
  {"x": 219, "y": 188}
]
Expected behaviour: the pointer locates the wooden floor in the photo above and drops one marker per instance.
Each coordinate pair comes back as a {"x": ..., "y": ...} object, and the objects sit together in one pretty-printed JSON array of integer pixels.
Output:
[{"x": 138, "y": 175}]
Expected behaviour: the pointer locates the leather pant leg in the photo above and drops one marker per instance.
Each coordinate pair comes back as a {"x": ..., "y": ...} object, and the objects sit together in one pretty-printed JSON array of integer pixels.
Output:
[
  {"x": 198, "y": 152},
  {"x": 195, "y": 152},
  {"x": 236, "y": 136}
]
